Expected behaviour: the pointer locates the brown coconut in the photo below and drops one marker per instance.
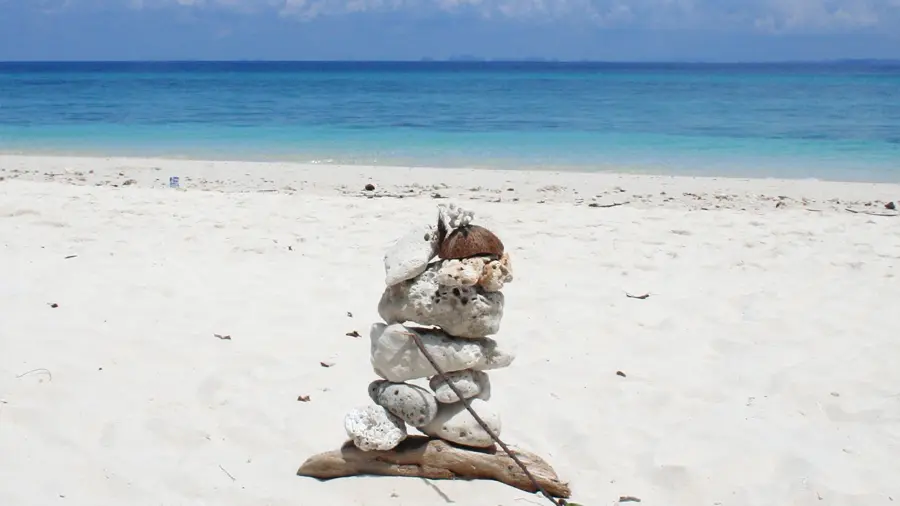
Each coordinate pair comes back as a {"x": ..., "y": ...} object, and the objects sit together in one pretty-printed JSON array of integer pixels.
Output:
[{"x": 470, "y": 241}]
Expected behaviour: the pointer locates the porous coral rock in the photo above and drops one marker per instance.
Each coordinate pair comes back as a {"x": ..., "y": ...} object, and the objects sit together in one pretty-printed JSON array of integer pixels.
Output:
[
  {"x": 412, "y": 404},
  {"x": 459, "y": 273},
  {"x": 453, "y": 216},
  {"x": 374, "y": 428},
  {"x": 470, "y": 383},
  {"x": 460, "y": 311},
  {"x": 409, "y": 256},
  {"x": 496, "y": 273},
  {"x": 395, "y": 356}
]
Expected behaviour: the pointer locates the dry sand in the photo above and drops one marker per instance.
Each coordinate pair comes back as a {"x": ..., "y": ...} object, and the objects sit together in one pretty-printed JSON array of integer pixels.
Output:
[{"x": 762, "y": 370}]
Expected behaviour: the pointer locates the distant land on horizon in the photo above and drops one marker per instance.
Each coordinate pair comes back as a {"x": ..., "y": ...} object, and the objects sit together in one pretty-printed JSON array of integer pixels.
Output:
[{"x": 486, "y": 59}]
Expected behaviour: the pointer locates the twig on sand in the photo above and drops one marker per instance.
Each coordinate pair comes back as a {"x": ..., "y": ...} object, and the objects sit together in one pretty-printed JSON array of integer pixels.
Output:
[
  {"x": 384, "y": 195},
  {"x": 642, "y": 296},
  {"x": 40, "y": 369},
  {"x": 614, "y": 204},
  {"x": 501, "y": 444},
  {"x": 870, "y": 213},
  {"x": 226, "y": 472}
]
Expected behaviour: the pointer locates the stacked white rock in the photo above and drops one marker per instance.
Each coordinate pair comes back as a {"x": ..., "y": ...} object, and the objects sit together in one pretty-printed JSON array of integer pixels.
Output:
[{"x": 446, "y": 275}]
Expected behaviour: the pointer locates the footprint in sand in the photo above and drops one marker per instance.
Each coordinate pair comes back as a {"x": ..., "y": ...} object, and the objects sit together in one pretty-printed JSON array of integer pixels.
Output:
[
  {"x": 179, "y": 433},
  {"x": 209, "y": 393}
]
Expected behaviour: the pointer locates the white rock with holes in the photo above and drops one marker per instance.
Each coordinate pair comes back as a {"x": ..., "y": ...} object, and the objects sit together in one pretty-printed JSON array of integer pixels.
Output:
[
  {"x": 463, "y": 311},
  {"x": 374, "y": 428}
]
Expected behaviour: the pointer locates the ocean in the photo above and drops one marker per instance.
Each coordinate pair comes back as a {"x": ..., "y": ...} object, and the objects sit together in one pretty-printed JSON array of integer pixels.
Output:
[{"x": 811, "y": 120}]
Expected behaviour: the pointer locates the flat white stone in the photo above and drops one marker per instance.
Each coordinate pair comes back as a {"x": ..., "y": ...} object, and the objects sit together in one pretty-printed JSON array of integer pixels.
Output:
[
  {"x": 412, "y": 404},
  {"x": 396, "y": 358},
  {"x": 455, "y": 424},
  {"x": 466, "y": 311},
  {"x": 409, "y": 256},
  {"x": 374, "y": 428},
  {"x": 469, "y": 382}
]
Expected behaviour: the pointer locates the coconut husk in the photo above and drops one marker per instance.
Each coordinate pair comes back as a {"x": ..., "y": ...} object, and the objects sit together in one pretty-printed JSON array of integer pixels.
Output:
[{"x": 470, "y": 241}]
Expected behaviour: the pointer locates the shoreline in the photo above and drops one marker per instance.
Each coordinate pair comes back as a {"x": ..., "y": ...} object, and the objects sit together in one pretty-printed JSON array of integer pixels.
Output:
[
  {"x": 596, "y": 189},
  {"x": 790, "y": 172}
]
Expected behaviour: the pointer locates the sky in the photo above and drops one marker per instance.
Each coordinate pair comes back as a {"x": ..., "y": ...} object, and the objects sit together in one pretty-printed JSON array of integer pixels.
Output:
[{"x": 608, "y": 30}]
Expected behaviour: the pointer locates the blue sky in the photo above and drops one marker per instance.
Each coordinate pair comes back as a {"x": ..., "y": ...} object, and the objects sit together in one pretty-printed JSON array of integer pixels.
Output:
[{"x": 618, "y": 30}]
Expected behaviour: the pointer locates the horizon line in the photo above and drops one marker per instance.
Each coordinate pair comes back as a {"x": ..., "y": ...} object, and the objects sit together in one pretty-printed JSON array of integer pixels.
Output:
[{"x": 476, "y": 59}]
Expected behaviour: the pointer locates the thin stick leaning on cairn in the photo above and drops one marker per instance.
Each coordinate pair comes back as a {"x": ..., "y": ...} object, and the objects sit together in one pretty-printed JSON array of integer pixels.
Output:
[{"x": 501, "y": 444}]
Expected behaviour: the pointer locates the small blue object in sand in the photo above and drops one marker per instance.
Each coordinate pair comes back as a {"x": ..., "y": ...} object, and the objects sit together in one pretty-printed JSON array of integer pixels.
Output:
[{"x": 173, "y": 182}]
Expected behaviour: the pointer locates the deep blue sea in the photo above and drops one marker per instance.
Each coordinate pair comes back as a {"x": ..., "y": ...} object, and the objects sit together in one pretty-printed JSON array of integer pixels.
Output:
[{"x": 822, "y": 120}]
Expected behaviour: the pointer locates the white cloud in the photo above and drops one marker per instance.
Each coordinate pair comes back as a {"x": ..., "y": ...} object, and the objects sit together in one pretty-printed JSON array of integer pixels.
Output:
[
  {"x": 766, "y": 15},
  {"x": 53, "y": 6},
  {"x": 787, "y": 15}
]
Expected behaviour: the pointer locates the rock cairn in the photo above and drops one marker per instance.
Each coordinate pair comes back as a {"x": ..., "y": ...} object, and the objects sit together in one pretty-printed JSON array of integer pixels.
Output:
[
  {"x": 441, "y": 303},
  {"x": 446, "y": 275}
]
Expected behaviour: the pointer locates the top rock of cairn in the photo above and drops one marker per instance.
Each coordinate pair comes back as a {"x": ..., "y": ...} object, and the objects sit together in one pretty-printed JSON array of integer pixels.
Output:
[
  {"x": 464, "y": 240},
  {"x": 453, "y": 237},
  {"x": 460, "y": 292}
]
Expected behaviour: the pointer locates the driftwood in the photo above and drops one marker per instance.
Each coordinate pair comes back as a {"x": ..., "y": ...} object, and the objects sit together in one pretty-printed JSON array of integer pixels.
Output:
[
  {"x": 870, "y": 213},
  {"x": 614, "y": 204},
  {"x": 436, "y": 459}
]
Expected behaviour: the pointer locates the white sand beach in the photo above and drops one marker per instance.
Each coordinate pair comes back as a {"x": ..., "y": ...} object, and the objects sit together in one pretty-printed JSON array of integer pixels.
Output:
[{"x": 761, "y": 370}]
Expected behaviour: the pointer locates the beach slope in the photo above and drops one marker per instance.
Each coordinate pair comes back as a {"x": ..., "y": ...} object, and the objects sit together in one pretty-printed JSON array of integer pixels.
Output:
[{"x": 154, "y": 342}]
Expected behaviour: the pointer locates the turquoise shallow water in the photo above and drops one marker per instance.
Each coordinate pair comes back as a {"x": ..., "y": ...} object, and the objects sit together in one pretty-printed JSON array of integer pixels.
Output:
[{"x": 832, "y": 121}]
